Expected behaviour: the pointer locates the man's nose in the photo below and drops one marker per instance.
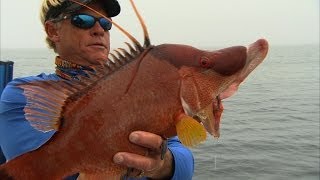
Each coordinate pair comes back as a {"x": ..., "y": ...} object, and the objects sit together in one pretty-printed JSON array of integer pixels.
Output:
[{"x": 97, "y": 29}]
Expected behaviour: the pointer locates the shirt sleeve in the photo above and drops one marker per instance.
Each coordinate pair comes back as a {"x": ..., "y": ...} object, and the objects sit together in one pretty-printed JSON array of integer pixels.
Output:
[{"x": 183, "y": 160}]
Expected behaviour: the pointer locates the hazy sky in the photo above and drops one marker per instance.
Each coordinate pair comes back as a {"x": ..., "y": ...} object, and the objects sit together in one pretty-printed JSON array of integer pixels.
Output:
[{"x": 201, "y": 23}]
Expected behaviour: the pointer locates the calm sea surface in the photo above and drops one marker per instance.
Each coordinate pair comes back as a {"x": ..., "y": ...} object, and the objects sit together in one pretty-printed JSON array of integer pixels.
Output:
[{"x": 270, "y": 128}]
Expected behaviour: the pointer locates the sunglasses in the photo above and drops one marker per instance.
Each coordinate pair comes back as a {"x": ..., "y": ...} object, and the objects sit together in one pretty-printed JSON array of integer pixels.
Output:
[{"x": 86, "y": 21}]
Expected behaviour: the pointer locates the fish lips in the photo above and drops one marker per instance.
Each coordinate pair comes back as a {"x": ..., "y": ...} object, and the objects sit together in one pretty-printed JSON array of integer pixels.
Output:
[
  {"x": 204, "y": 116},
  {"x": 207, "y": 118}
]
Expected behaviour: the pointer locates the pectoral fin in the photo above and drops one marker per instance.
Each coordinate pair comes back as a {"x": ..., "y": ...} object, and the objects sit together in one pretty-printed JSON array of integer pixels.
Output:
[
  {"x": 190, "y": 131},
  {"x": 45, "y": 101}
]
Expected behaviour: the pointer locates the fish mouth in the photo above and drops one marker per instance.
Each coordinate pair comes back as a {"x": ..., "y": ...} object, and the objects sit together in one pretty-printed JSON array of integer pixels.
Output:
[{"x": 207, "y": 118}]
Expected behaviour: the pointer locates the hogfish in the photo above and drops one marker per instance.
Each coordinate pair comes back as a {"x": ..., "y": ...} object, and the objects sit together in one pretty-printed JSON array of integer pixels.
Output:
[{"x": 168, "y": 89}]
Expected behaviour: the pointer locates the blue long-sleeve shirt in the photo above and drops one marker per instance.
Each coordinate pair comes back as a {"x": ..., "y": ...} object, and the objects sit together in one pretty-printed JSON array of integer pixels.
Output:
[{"x": 17, "y": 136}]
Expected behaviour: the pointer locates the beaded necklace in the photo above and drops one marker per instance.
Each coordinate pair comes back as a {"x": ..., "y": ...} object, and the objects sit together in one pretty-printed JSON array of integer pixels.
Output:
[{"x": 68, "y": 70}]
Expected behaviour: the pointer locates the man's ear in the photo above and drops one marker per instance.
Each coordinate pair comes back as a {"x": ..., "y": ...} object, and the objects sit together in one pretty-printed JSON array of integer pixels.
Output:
[{"x": 52, "y": 31}]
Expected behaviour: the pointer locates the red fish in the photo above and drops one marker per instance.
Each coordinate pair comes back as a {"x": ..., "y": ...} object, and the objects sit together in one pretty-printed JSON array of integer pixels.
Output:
[{"x": 168, "y": 89}]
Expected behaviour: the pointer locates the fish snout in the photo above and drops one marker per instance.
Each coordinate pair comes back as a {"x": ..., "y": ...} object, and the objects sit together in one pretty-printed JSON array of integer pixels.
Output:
[
  {"x": 228, "y": 61},
  {"x": 258, "y": 50}
]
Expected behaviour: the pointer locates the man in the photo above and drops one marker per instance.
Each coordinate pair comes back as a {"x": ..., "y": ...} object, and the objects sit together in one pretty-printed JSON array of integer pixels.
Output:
[{"x": 81, "y": 38}]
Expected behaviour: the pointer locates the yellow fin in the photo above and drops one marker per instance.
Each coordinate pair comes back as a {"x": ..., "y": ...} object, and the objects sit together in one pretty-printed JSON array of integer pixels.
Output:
[{"x": 190, "y": 131}]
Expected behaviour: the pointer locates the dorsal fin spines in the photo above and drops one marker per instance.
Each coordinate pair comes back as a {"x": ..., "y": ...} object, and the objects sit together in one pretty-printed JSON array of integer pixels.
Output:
[
  {"x": 132, "y": 50},
  {"x": 139, "y": 48},
  {"x": 111, "y": 65},
  {"x": 128, "y": 56},
  {"x": 115, "y": 60},
  {"x": 122, "y": 58},
  {"x": 119, "y": 58},
  {"x": 147, "y": 42},
  {"x": 113, "y": 57}
]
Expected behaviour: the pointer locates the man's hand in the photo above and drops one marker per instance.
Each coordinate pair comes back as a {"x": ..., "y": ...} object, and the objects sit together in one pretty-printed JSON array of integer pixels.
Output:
[{"x": 151, "y": 165}]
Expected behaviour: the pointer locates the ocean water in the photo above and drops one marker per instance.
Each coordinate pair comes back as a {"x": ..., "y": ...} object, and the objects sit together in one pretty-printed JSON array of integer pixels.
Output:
[{"x": 269, "y": 128}]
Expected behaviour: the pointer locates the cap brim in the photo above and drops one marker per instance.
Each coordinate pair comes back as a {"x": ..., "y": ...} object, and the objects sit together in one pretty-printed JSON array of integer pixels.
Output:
[{"x": 112, "y": 7}]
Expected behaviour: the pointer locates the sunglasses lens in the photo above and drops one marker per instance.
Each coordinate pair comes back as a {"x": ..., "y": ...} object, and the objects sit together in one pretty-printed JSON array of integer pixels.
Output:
[
  {"x": 105, "y": 24},
  {"x": 85, "y": 21}
]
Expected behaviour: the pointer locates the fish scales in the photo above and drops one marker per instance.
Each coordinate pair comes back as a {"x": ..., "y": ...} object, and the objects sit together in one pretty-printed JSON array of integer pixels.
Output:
[{"x": 143, "y": 107}]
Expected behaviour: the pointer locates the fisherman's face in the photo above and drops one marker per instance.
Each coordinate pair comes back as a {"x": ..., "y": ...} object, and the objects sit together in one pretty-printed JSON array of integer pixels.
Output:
[{"x": 83, "y": 46}]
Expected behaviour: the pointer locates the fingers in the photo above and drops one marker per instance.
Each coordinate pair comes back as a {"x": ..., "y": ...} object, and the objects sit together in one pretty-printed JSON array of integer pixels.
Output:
[
  {"x": 137, "y": 161},
  {"x": 146, "y": 139},
  {"x": 152, "y": 162},
  {"x": 131, "y": 172}
]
